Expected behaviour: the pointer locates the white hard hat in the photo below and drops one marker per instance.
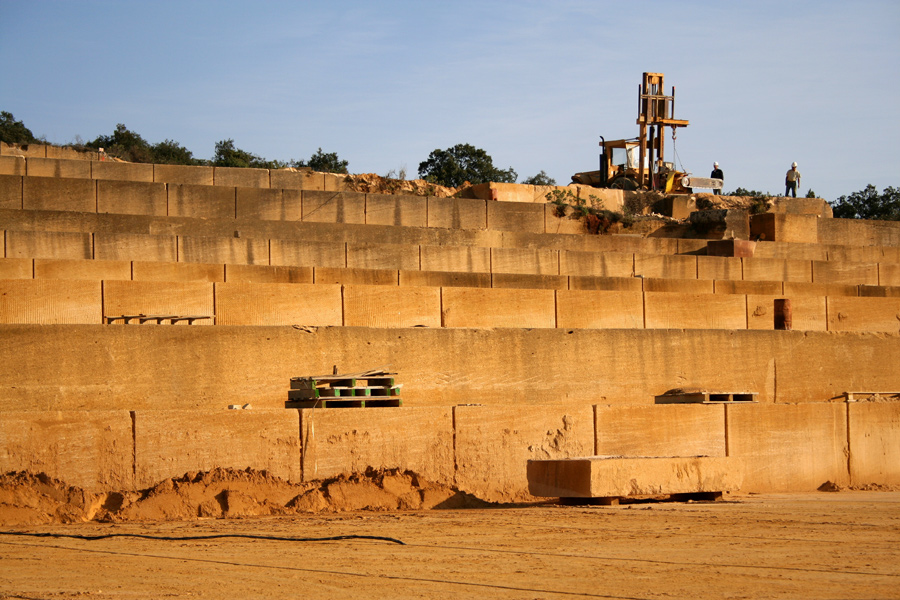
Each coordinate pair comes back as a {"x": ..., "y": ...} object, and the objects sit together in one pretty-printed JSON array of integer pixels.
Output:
[
  {"x": 794, "y": 165},
  {"x": 715, "y": 164}
]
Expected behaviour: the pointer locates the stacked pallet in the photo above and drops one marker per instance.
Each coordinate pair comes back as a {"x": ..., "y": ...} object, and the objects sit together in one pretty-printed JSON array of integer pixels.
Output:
[{"x": 354, "y": 390}]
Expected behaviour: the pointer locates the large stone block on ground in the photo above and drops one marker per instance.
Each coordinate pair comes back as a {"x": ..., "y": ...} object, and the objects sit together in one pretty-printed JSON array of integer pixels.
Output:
[
  {"x": 774, "y": 269},
  {"x": 477, "y": 307},
  {"x": 302, "y": 253},
  {"x": 50, "y": 193},
  {"x": 382, "y": 256},
  {"x": 171, "y": 271},
  {"x": 463, "y": 259},
  {"x": 20, "y": 268},
  {"x": 457, "y": 213},
  {"x": 771, "y": 288},
  {"x": 269, "y": 204},
  {"x": 55, "y": 167},
  {"x": 808, "y": 312},
  {"x": 336, "y": 182},
  {"x": 170, "y": 443},
  {"x": 864, "y": 314},
  {"x": 596, "y": 264},
  {"x": 845, "y": 273},
  {"x": 290, "y": 179},
  {"x": 181, "y": 298},
  {"x": 608, "y": 477},
  {"x": 236, "y": 251},
  {"x": 666, "y": 310},
  {"x": 240, "y": 177},
  {"x": 132, "y": 198},
  {"x": 661, "y": 430},
  {"x": 789, "y": 447},
  {"x": 96, "y": 270},
  {"x": 534, "y": 261},
  {"x": 48, "y": 244},
  {"x": 334, "y": 207},
  {"x": 800, "y": 206},
  {"x": 801, "y": 229},
  {"x": 201, "y": 201},
  {"x": 92, "y": 450},
  {"x": 515, "y": 216},
  {"x": 503, "y": 192},
  {"x": 348, "y": 440},
  {"x": 610, "y": 284},
  {"x": 183, "y": 174},
  {"x": 391, "y": 306},
  {"x": 268, "y": 274},
  {"x": 874, "y": 434},
  {"x": 50, "y": 301},
  {"x": 278, "y": 304},
  {"x": 116, "y": 171},
  {"x": 580, "y": 309},
  {"x": 719, "y": 268},
  {"x": 494, "y": 445},
  {"x": 12, "y": 165},
  {"x": 135, "y": 246},
  {"x": 445, "y": 279},
  {"x": 679, "y": 286},
  {"x": 390, "y": 209}
]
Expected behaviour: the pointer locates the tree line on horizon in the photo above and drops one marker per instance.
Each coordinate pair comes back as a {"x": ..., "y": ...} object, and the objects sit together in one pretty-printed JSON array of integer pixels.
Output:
[{"x": 452, "y": 167}]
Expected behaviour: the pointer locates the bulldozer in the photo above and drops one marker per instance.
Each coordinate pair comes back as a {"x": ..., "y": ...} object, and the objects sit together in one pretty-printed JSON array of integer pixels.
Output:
[{"x": 639, "y": 163}]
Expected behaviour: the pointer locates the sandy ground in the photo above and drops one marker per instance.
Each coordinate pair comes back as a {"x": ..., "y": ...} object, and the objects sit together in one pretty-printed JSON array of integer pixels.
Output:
[{"x": 822, "y": 545}]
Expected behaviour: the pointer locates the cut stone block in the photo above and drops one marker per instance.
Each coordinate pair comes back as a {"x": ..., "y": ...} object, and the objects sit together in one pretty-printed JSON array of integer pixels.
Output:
[
  {"x": 666, "y": 310},
  {"x": 236, "y": 251},
  {"x": 889, "y": 274},
  {"x": 872, "y": 291},
  {"x": 457, "y": 213},
  {"x": 269, "y": 204},
  {"x": 563, "y": 220},
  {"x": 605, "y": 477},
  {"x": 773, "y": 269},
  {"x": 334, "y": 207},
  {"x": 862, "y": 254},
  {"x": 267, "y": 274},
  {"x": 301, "y": 253},
  {"x": 55, "y": 167},
  {"x": 610, "y": 284},
  {"x": 792, "y": 289},
  {"x": 159, "y": 298},
  {"x": 808, "y": 312},
  {"x": 48, "y": 244},
  {"x": 844, "y": 273},
  {"x": 278, "y": 304},
  {"x": 335, "y": 182},
  {"x": 802, "y": 229},
  {"x": 135, "y": 246},
  {"x": 463, "y": 259},
  {"x": 525, "y": 261},
  {"x": 11, "y": 192},
  {"x": 132, "y": 198},
  {"x": 719, "y": 268},
  {"x": 171, "y": 271},
  {"x": 874, "y": 433},
  {"x": 502, "y": 192},
  {"x": 201, "y": 201},
  {"x": 26, "y": 150},
  {"x": 290, "y": 179},
  {"x": 183, "y": 174},
  {"x": 50, "y": 301},
  {"x": 596, "y": 264},
  {"x": 515, "y": 216},
  {"x": 240, "y": 177},
  {"x": 661, "y": 430},
  {"x": 476, "y": 307},
  {"x": 732, "y": 248},
  {"x": 389, "y": 209},
  {"x": 666, "y": 267},
  {"x": 679, "y": 286},
  {"x": 16, "y": 268},
  {"x": 747, "y": 288},
  {"x": 382, "y": 256},
  {"x": 525, "y": 281},
  {"x": 864, "y": 314},
  {"x": 356, "y": 276},
  {"x": 116, "y": 171},
  {"x": 12, "y": 165},
  {"x": 577, "y": 309},
  {"x": 50, "y": 193},
  {"x": 46, "y": 268},
  {"x": 444, "y": 279},
  {"x": 391, "y": 306}
]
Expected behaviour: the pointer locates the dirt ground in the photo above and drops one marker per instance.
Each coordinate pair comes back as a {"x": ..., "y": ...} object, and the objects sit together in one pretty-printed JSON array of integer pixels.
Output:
[{"x": 820, "y": 545}]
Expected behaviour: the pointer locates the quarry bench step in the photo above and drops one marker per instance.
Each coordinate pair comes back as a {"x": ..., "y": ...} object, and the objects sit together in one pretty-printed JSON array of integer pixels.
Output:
[
  {"x": 141, "y": 318},
  {"x": 705, "y": 397},
  {"x": 616, "y": 500},
  {"x": 872, "y": 396},
  {"x": 344, "y": 403}
]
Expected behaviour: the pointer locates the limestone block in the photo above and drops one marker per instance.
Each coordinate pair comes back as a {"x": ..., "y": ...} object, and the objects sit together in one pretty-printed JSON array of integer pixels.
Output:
[
  {"x": 789, "y": 447},
  {"x": 389, "y": 209},
  {"x": 515, "y": 216},
  {"x": 50, "y": 301},
  {"x": 11, "y": 192},
  {"x": 173, "y": 271},
  {"x": 874, "y": 291},
  {"x": 278, "y": 304},
  {"x": 802, "y": 229},
  {"x": 563, "y": 220},
  {"x": 771, "y": 288},
  {"x": 503, "y": 192},
  {"x": 666, "y": 267},
  {"x": 416, "y": 439},
  {"x": 16, "y": 268},
  {"x": 48, "y": 244},
  {"x": 135, "y": 246},
  {"x": 845, "y": 273},
  {"x": 356, "y": 276},
  {"x": 719, "y": 268},
  {"x": 12, "y": 165},
  {"x": 888, "y": 274},
  {"x": 267, "y": 274},
  {"x": 874, "y": 434},
  {"x": 122, "y": 171},
  {"x": 526, "y": 281},
  {"x": 457, "y": 213},
  {"x": 50, "y": 193},
  {"x": 534, "y": 261},
  {"x": 55, "y": 167},
  {"x": 610, "y": 284},
  {"x": 808, "y": 312},
  {"x": 444, "y": 279},
  {"x": 604, "y": 477},
  {"x": 731, "y": 248},
  {"x": 677, "y": 207},
  {"x": 791, "y": 289},
  {"x": 461, "y": 259},
  {"x": 583, "y": 309},
  {"x": 773, "y": 269},
  {"x": 863, "y": 254},
  {"x": 183, "y": 175},
  {"x": 596, "y": 264},
  {"x": 71, "y": 153},
  {"x": 26, "y": 150},
  {"x": 88, "y": 449},
  {"x": 679, "y": 286},
  {"x": 334, "y": 207},
  {"x": 494, "y": 444},
  {"x": 269, "y": 204},
  {"x": 201, "y": 201},
  {"x": 240, "y": 177},
  {"x": 391, "y": 306},
  {"x": 477, "y": 307},
  {"x": 183, "y": 298},
  {"x": 661, "y": 430},
  {"x": 864, "y": 314},
  {"x": 382, "y": 256},
  {"x": 170, "y": 443},
  {"x": 667, "y": 310},
  {"x": 800, "y": 206},
  {"x": 132, "y": 198},
  {"x": 335, "y": 182},
  {"x": 858, "y": 232},
  {"x": 791, "y": 251},
  {"x": 97, "y": 270},
  {"x": 688, "y": 246},
  {"x": 613, "y": 200},
  {"x": 237, "y": 251},
  {"x": 290, "y": 179},
  {"x": 301, "y": 253}
]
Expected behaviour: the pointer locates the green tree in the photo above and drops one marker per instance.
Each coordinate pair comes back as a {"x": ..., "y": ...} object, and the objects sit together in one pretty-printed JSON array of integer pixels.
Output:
[
  {"x": 461, "y": 163},
  {"x": 227, "y": 155},
  {"x": 170, "y": 152},
  {"x": 325, "y": 163},
  {"x": 811, "y": 194},
  {"x": 14, "y": 132},
  {"x": 540, "y": 179},
  {"x": 869, "y": 204},
  {"x": 124, "y": 144},
  {"x": 750, "y": 193}
]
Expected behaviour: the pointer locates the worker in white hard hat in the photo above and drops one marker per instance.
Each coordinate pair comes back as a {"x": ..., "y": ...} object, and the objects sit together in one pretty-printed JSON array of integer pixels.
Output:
[
  {"x": 717, "y": 174},
  {"x": 792, "y": 181}
]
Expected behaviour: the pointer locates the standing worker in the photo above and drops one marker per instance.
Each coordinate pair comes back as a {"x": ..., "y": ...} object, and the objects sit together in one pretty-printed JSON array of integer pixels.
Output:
[
  {"x": 792, "y": 181},
  {"x": 717, "y": 174}
]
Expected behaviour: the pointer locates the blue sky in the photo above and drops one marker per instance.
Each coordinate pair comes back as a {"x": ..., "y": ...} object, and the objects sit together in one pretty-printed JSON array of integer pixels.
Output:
[{"x": 533, "y": 83}]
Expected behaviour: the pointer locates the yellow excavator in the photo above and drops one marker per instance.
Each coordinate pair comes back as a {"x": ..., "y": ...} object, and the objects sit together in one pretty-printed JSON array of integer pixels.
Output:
[{"x": 639, "y": 163}]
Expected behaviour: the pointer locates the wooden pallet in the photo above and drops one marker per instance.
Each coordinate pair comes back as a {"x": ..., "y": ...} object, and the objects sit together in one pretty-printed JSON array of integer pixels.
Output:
[
  {"x": 344, "y": 403},
  {"x": 705, "y": 397},
  {"x": 353, "y": 390}
]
